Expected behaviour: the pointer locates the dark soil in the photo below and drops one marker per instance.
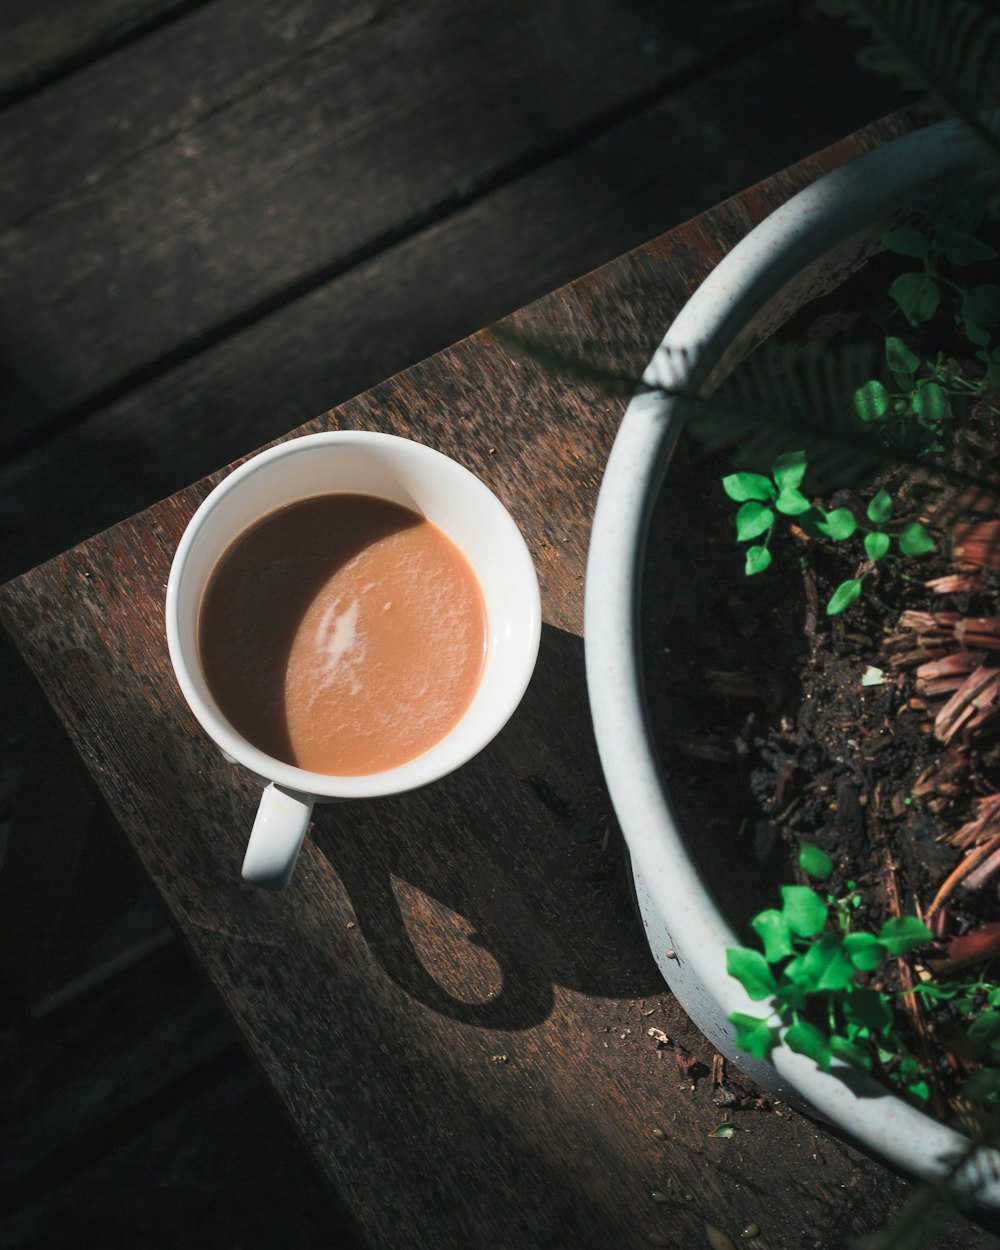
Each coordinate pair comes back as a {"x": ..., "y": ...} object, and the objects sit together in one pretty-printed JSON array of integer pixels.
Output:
[{"x": 769, "y": 736}]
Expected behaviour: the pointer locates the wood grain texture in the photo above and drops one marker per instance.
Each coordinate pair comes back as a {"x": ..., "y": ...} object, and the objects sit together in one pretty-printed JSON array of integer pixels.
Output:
[
  {"x": 246, "y": 186},
  {"x": 244, "y": 1187},
  {"x": 544, "y": 227},
  {"x": 424, "y": 293},
  {"x": 81, "y": 1070},
  {"x": 40, "y": 39},
  {"x": 68, "y": 914},
  {"x": 452, "y": 1000},
  {"x": 145, "y": 96}
]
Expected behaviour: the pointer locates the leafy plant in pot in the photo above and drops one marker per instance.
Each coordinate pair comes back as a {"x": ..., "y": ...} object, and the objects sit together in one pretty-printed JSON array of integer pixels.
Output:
[{"x": 808, "y": 944}]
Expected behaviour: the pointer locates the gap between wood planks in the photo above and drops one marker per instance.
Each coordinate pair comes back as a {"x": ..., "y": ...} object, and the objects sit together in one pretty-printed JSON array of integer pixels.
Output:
[
  {"x": 100, "y": 43},
  {"x": 145, "y": 244},
  {"x": 464, "y": 196},
  {"x": 359, "y": 328}
]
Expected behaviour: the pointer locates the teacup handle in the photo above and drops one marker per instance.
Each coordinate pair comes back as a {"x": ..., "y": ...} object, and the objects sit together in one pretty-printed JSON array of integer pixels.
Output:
[{"x": 276, "y": 837}]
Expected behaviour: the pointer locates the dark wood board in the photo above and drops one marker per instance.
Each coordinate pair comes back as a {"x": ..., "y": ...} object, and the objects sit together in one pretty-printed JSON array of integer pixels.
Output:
[
  {"x": 483, "y": 261},
  {"x": 43, "y": 40},
  {"x": 452, "y": 1001},
  {"x": 66, "y": 1079},
  {"x": 219, "y": 1169},
  {"x": 57, "y": 144},
  {"x": 273, "y": 186}
]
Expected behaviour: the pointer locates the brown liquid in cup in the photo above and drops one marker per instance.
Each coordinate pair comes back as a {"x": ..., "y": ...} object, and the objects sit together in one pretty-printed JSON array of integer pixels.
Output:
[{"x": 343, "y": 634}]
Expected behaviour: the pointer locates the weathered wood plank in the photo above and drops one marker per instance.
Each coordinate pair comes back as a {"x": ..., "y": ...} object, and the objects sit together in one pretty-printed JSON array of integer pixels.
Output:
[
  {"x": 41, "y": 39},
  {"x": 221, "y": 1170},
  {"x": 452, "y": 1000},
  {"x": 56, "y": 145},
  {"x": 415, "y": 298},
  {"x": 445, "y": 282},
  {"x": 312, "y": 169},
  {"x": 73, "y": 904},
  {"x": 88, "y": 1064}
]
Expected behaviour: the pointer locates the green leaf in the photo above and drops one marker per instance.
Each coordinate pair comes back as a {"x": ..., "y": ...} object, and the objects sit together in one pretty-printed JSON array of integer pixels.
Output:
[
  {"x": 871, "y": 401},
  {"x": 907, "y": 241},
  {"x": 855, "y": 1055},
  {"x": 795, "y": 976},
  {"x": 880, "y": 508},
  {"x": 867, "y": 1009},
  {"x": 792, "y": 502},
  {"x": 791, "y": 995},
  {"x": 844, "y": 596},
  {"x": 976, "y": 334},
  {"x": 826, "y": 964},
  {"x": 876, "y": 545},
  {"x": 931, "y": 403},
  {"x": 803, "y": 909},
  {"x": 899, "y": 358},
  {"x": 917, "y": 295},
  {"x": 961, "y": 247},
  {"x": 865, "y": 950},
  {"x": 724, "y": 1130},
  {"x": 790, "y": 469},
  {"x": 838, "y": 524},
  {"x": 982, "y": 1086},
  {"x": 914, "y": 540},
  {"x": 758, "y": 559},
  {"x": 981, "y": 306},
  {"x": 806, "y": 1039},
  {"x": 744, "y": 486},
  {"x": 935, "y": 993},
  {"x": 984, "y": 1032},
  {"x": 752, "y": 520},
  {"x": 919, "y": 1092},
  {"x": 904, "y": 935},
  {"x": 772, "y": 929},
  {"x": 751, "y": 969},
  {"x": 753, "y": 1035},
  {"x": 814, "y": 861}
]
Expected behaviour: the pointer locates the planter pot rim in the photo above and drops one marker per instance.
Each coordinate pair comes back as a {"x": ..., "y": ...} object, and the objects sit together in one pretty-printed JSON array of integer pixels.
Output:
[{"x": 874, "y": 186}]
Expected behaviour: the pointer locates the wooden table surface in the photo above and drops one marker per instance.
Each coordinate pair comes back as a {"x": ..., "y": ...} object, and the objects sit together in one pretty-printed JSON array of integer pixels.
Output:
[
  {"x": 453, "y": 1000},
  {"x": 220, "y": 217}
]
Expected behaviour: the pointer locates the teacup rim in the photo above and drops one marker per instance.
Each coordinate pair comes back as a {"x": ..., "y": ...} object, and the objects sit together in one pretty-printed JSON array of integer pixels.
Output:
[{"x": 439, "y": 760}]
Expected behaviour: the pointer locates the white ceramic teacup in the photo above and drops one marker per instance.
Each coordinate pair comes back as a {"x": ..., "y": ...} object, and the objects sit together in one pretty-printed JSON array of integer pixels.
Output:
[{"x": 408, "y": 473}]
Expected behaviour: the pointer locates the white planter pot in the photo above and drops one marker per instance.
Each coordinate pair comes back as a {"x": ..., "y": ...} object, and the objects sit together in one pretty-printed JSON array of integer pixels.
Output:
[{"x": 804, "y": 248}]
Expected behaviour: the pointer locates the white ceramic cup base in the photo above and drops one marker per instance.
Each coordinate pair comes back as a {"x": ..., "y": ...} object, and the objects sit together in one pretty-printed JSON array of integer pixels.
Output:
[{"x": 407, "y": 473}]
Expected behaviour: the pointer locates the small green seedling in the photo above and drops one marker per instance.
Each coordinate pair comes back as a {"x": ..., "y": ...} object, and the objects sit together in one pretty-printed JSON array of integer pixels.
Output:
[
  {"x": 975, "y": 997},
  {"x": 947, "y": 237},
  {"x": 914, "y": 413},
  {"x": 813, "y": 971},
  {"x": 764, "y": 499},
  {"x": 911, "y": 411}
]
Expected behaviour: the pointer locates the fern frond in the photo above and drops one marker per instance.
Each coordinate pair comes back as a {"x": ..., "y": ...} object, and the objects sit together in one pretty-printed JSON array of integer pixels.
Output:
[
  {"x": 946, "y": 49},
  {"x": 783, "y": 397},
  {"x": 557, "y": 359},
  {"x": 790, "y": 396},
  {"x": 797, "y": 396}
]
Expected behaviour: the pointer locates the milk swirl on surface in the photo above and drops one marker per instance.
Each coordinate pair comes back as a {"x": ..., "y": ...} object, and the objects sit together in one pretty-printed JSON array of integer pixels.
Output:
[{"x": 344, "y": 634}]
